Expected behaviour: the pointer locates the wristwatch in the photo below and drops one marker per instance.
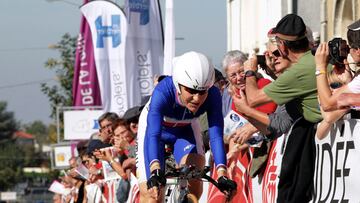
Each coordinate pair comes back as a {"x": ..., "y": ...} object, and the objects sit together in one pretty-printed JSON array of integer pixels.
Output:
[
  {"x": 250, "y": 73},
  {"x": 319, "y": 72}
]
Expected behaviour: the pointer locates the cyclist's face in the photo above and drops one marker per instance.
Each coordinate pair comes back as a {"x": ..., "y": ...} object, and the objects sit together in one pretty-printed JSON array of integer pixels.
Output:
[{"x": 192, "y": 99}]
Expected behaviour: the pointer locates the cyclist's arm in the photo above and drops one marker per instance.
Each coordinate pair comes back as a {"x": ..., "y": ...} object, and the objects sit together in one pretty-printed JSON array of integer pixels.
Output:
[
  {"x": 216, "y": 128},
  {"x": 153, "y": 129}
]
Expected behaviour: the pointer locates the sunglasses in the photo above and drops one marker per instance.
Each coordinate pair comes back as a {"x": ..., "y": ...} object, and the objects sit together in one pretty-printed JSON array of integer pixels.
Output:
[
  {"x": 105, "y": 127},
  {"x": 85, "y": 162},
  {"x": 276, "y": 53},
  {"x": 335, "y": 85},
  {"x": 193, "y": 91}
]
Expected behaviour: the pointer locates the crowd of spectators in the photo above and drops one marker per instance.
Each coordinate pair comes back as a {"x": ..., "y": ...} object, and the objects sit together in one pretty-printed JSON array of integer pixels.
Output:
[{"x": 301, "y": 101}]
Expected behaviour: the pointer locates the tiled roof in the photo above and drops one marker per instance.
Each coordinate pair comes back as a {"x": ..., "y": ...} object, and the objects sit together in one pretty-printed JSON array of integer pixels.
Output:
[{"x": 22, "y": 134}]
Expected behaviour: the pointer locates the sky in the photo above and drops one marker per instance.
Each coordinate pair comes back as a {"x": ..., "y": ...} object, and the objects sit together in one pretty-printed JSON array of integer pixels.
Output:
[{"x": 28, "y": 27}]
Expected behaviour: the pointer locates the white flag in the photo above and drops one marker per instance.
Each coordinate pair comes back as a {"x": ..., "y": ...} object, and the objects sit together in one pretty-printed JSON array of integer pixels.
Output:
[
  {"x": 144, "y": 47},
  {"x": 108, "y": 29},
  {"x": 169, "y": 46}
]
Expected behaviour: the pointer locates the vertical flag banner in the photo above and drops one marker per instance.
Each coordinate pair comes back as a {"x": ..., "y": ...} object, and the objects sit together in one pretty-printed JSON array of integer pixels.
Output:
[
  {"x": 85, "y": 83},
  {"x": 144, "y": 47},
  {"x": 169, "y": 46},
  {"x": 108, "y": 29}
]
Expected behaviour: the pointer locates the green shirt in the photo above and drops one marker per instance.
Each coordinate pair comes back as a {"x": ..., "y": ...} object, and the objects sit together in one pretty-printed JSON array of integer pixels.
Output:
[{"x": 298, "y": 83}]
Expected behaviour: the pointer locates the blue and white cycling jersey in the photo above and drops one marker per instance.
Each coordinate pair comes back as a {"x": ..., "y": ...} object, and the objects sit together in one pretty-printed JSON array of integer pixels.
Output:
[{"x": 165, "y": 121}]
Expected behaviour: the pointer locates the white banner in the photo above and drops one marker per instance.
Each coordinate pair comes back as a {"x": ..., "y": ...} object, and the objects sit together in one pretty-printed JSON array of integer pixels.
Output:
[
  {"x": 337, "y": 164},
  {"x": 81, "y": 124},
  {"x": 7, "y": 196},
  {"x": 108, "y": 28},
  {"x": 144, "y": 48}
]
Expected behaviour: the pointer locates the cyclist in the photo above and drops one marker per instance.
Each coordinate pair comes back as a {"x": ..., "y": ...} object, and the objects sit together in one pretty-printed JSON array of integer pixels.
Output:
[{"x": 171, "y": 117}]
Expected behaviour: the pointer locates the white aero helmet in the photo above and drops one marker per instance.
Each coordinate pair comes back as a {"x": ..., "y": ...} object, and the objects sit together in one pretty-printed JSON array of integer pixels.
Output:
[{"x": 193, "y": 70}]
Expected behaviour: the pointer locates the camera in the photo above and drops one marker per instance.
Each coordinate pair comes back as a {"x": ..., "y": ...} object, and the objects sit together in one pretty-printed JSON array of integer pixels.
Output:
[
  {"x": 338, "y": 50},
  {"x": 261, "y": 60}
]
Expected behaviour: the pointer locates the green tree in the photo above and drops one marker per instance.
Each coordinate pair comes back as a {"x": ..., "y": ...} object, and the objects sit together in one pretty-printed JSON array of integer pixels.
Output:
[
  {"x": 52, "y": 134},
  {"x": 12, "y": 160},
  {"x": 8, "y": 124},
  {"x": 10, "y": 156},
  {"x": 61, "y": 94},
  {"x": 39, "y": 130},
  {"x": 41, "y": 133}
]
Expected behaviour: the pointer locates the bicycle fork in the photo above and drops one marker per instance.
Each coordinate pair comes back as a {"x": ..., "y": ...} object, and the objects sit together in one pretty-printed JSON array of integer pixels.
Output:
[{"x": 184, "y": 190}]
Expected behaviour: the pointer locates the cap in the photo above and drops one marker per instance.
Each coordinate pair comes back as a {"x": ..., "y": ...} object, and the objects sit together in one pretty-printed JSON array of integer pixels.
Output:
[
  {"x": 354, "y": 26},
  {"x": 291, "y": 28},
  {"x": 82, "y": 144},
  {"x": 353, "y": 34},
  {"x": 133, "y": 113},
  {"x": 96, "y": 144}
]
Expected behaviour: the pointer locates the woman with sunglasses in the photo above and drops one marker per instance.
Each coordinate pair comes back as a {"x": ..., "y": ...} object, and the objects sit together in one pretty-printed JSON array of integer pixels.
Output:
[
  {"x": 171, "y": 117},
  {"x": 275, "y": 64}
]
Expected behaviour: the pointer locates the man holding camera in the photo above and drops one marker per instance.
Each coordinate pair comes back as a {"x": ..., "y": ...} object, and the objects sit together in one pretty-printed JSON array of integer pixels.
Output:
[
  {"x": 296, "y": 84},
  {"x": 327, "y": 98}
]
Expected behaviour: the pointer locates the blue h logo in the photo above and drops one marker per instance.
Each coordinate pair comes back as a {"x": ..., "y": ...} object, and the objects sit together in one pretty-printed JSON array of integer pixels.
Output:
[
  {"x": 142, "y": 7},
  {"x": 112, "y": 31}
]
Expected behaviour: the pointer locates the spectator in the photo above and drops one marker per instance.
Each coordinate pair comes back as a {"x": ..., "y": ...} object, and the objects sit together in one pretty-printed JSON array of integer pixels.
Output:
[
  {"x": 95, "y": 145},
  {"x": 132, "y": 117},
  {"x": 220, "y": 81},
  {"x": 82, "y": 147},
  {"x": 106, "y": 122},
  {"x": 226, "y": 97},
  {"x": 93, "y": 187},
  {"x": 328, "y": 99},
  {"x": 275, "y": 124},
  {"x": 57, "y": 198},
  {"x": 332, "y": 116},
  {"x": 97, "y": 190},
  {"x": 158, "y": 78},
  {"x": 233, "y": 66},
  {"x": 296, "y": 84},
  {"x": 124, "y": 141}
]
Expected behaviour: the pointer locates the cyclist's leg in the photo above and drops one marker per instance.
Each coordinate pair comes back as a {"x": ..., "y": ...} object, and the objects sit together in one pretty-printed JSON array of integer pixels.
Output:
[
  {"x": 146, "y": 195},
  {"x": 143, "y": 174},
  {"x": 189, "y": 150},
  {"x": 142, "y": 163},
  {"x": 195, "y": 186}
]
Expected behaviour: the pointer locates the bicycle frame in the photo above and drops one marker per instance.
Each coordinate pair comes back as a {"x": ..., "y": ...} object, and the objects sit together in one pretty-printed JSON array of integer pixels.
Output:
[{"x": 176, "y": 189}]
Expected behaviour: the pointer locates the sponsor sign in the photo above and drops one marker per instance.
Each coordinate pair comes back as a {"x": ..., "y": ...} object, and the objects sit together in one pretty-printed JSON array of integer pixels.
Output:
[{"x": 81, "y": 124}]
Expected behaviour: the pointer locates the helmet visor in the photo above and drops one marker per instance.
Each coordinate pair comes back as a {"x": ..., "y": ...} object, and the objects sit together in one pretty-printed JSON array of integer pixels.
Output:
[{"x": 193, "y": 91}]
